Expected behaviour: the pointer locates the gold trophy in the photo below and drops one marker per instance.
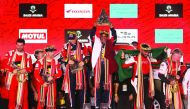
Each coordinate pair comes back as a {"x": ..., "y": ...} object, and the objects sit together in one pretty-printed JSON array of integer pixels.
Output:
[
  {"x": 75, "y": 67},
  {"x": 47, "y": 75},
  {"x": 103, "y": 19},
  {"x": 174, "y": 88},
  {"x": 16, "y": 65}
]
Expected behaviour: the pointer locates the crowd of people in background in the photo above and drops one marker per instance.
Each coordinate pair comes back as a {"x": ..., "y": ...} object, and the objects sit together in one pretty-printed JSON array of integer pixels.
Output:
[{"x": 99, "y": 76}]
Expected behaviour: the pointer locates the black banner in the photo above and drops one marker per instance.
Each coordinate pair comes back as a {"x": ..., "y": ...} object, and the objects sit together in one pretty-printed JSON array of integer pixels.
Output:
[
  {"x": 82, "y": 34},
  {"x": 32, "y": 10},
  {"x": 169, "y": 10}
]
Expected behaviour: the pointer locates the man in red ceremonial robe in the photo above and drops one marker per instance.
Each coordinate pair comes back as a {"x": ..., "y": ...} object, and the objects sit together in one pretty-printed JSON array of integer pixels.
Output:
[
  {"x": 34, "y": 86},
  {"x": 19, "y": 64},
  {"x": 75, "y": 56},
  {"x": 143, "y": 70},
  {"x": 103, "y": 64},
  {"x": 169, "y": 73},
  {"x": 46, "y": 72}
]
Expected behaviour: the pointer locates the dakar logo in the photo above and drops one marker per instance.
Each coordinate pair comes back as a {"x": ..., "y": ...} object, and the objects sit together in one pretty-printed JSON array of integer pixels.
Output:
[
  {"x": 78, "y": 34},
  {"x": 33, "y": 9},
  {"x": 169, "y": 8}
]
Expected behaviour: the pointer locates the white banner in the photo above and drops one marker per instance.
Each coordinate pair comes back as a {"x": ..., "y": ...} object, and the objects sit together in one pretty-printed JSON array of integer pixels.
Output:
[
  {"x": 127, "y": 35},
  {"x": 78, "y": 10},
  {"x": 33, "y": 35}
]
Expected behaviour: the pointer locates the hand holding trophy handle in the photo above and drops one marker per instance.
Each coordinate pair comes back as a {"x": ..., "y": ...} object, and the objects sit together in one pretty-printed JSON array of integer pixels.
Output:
[
  {"x": 48, "y": 79},
  {"x": 45, "y": 84},
  {"x": 17, "y": 69},
  {"x": 81, "y": 64},
  {"x": 71, "y": 62},
  {"x": 22, "y": 71}
]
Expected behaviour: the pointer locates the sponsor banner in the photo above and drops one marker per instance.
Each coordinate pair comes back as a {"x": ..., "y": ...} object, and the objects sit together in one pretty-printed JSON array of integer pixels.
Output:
[
  {"x": 169, "y": 10},
  {"x": 78, "y": 10},
  {"x": 126, "y": 36},
  {"x": 123, "y": 11},
  {"x": 82, "y": 34},
  {"x": 32, "y": 10},
  {"x": 33, "y": 35},
  {"x": 168, "y": 35}
]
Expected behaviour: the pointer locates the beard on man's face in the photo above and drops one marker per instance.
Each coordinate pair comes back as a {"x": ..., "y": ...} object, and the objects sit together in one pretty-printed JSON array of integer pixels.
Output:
[
  {"x": 103, "y": 39},
  {"x": 20, "y": 49},
  {"x": 145, "y": 54}
]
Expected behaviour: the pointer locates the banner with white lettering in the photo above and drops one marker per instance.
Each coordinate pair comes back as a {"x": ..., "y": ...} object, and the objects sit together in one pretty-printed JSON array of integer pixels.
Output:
[
  {"x": 33, "y": 35},
  {"x": 169, "y": 10},
  {"x": 27, "y": 10}
]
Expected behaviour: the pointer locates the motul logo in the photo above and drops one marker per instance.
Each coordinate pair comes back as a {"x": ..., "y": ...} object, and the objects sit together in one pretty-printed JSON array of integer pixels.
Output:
[{"x": 33, "y": 35}]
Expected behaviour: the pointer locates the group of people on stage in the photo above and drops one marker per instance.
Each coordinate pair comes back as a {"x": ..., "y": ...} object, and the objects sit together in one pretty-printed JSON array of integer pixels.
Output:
[{"x": 122, "y": 77}]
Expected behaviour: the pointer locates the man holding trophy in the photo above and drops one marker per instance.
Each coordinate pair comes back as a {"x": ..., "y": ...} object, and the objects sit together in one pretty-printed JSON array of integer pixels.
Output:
[
  {"x": 19, "y": 64},
  {"x": 46, "y": 72},
  {"x": 75, "y": 56},
  {"x": 103, "y": 62}
]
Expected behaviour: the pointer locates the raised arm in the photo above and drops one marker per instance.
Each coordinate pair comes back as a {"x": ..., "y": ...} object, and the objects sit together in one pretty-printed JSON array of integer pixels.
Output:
[
  {"x": 113, "y": 32},
  {"x": 93, "y": 32}
]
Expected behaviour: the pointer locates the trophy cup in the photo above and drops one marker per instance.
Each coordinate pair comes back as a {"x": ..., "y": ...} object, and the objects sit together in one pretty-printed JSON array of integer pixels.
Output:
[
  {"x": 46, "y": 75},
  {"x": 17, "y": 65},
  {"x": 103, "y": 19},
  {"x": 75, "y": 67}
]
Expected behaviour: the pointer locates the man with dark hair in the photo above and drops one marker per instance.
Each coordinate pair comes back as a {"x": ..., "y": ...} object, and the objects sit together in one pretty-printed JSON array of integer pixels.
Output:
[
  {"x": 169, "y": 74},
  {"x": 142, "y": 66},
  {"x": 19, "y": 64},
  {"x": 135, "y": 44},
  {"x": 20, "y": 41}
]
